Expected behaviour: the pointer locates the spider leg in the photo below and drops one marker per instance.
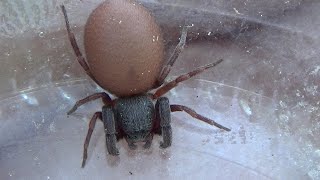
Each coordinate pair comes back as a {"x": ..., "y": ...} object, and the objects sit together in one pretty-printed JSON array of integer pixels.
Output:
[
  {"x": 163, "y": 114},
  {"x": 166, "y": 69},
  {"x": 131, "y": 144},
  {"x": 110, "y": 129},
  {"x": 105, "y": 98},
  {"x": 194, "y": 114},
  {"x": 148, "y": 141},
  {"x": 88, "y": 137},
  {"x": 170, "y": 85},
  {"x": 75, "y": 46}
]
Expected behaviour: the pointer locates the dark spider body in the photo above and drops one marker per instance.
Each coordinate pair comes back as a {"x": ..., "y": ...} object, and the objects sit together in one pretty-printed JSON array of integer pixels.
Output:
[{"x": 134, "y": 117}]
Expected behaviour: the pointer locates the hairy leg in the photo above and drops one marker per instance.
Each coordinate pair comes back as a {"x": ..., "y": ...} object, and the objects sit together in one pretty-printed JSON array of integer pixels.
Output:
[
  {"x": 105, "y": 98},
  {"x": 148, "y": 141},
  {"x": 75, "y": 46},
  {"x": 166, "y": 68},
  {"x": 167, "y": 87},
  {"x": 109, "y": 123},
  {"x": 163, "y": 114},
  {"x": 194, "y": 114},
  {"x": 88, "y": 137}
]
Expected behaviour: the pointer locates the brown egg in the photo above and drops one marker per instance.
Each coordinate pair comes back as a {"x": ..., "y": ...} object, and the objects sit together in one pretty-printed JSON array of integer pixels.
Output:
[{"x": 124, "y": 47}]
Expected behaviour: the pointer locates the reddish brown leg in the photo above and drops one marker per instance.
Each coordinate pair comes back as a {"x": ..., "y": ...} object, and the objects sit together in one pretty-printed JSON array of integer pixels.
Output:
[
  {"x": 105, "y": 98},
  {"x": 167, "y": 87},
  {"x": 194, "y": 114},
  {"x": 88, "y": 137},
  {"x": 75, "y": 46},
  {"x": 166, "y": 69}
]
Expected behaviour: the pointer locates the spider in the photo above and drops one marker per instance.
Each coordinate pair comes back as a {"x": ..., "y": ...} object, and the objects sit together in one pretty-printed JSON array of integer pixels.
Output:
[{"x": 136, "y": 117}]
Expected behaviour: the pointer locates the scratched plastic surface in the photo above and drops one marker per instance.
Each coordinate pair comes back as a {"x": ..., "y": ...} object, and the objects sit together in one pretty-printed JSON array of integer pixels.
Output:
[{"x": 266, "y": 91}]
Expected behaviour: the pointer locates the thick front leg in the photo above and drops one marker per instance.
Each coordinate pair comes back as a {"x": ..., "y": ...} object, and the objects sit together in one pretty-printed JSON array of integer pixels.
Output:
[
  {"x": 110, "y": 130},
  {"x": 163, "y": 114}
]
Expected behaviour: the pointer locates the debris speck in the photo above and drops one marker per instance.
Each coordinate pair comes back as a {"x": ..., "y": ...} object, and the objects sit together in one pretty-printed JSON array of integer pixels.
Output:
[
  {"x": 245, "y": 107},
  {"x": 315, "y": 71},
  {"x": 36, "y": 158},
  {"x": 235, "y": 10},
  {"x": 311, "y": 89},
  {"x": 36, "y": 124},
  {"x": 52, "y": 127},
  {"x": 283, "y": 117},
  {"x": 283, "y": 104},
  {"x": 11, "y": 174},
  {"x": 41, "y": 34},
  {"x": 314, "y": 174}
]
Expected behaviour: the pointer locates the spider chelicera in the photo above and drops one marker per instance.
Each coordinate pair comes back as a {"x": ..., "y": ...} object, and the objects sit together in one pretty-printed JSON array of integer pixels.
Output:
[{"x": 136, "y": 118}]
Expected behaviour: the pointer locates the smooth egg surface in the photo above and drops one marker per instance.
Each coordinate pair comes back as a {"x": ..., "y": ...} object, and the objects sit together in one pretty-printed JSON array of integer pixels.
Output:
[{"x": 124, "y": 47}]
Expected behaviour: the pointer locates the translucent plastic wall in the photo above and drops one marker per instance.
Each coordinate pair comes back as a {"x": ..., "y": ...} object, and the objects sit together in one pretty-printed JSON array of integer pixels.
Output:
[{"x": 266, "y": 91}]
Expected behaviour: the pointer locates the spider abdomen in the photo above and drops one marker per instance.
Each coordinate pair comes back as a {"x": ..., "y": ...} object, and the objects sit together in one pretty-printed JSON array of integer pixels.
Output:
[
  {"x": 135, "y": 116},
  {"x": 124, "y": 47}
]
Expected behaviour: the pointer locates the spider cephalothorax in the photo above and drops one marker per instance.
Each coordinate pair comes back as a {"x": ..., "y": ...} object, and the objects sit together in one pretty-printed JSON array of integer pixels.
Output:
[{"x": 133, "y": 115}]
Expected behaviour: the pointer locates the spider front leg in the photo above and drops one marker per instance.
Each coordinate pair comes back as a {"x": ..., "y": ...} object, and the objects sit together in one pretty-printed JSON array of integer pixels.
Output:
[
  {"x": 110, "y": 129},
  {"x": 166, "y": 68},
  {"x": 92, "y": 124},
  {"x": 172, "y": 84},
  {"x": 148, "y": 141},
  {"x": 75, "y": 46},
  {"x": 131, "y": 144},
  {"x": 163, "y": 114},
  {"x": 105, "y": 99}
]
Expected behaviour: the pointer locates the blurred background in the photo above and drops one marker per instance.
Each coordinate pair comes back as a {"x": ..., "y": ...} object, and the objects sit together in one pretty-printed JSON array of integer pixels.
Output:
[{"x": 266, "y": 91}]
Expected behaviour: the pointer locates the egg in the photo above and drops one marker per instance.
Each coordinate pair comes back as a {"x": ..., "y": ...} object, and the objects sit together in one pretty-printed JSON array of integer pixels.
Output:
[{"x": 124, "y": 47}]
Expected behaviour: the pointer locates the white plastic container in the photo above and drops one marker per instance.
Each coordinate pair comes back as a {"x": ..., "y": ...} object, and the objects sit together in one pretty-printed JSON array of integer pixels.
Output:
[{"x": 266, "y": 91}]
